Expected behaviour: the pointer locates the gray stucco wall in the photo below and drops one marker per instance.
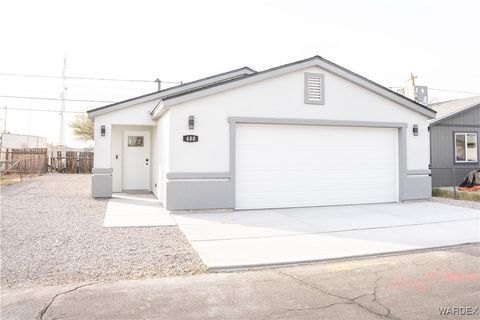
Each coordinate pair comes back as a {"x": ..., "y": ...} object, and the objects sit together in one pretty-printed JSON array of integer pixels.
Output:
[
  {"x": 442, "y": 147},
  {"x": 200, "y": 194},
  {"x": 417, "y": 187},
  {"x": 102, "y": 183}
]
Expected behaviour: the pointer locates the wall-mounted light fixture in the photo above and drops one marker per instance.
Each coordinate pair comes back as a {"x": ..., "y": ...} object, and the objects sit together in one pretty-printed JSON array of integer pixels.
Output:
[
  {"x": 191, "y": 122},
  {"x": 415, "y": 130},
  {"x": 102, "y": 131}
]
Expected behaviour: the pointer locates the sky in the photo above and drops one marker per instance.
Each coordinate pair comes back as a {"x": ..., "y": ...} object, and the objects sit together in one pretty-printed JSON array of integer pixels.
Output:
[{"x": 383, "y": 40}]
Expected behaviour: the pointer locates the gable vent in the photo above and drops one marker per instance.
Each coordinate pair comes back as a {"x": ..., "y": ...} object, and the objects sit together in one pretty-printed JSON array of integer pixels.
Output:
[{"x": 314, "y": 88}]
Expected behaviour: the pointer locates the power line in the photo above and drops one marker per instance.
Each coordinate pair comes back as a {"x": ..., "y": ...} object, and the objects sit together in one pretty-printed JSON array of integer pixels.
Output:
[
  {"x": 42, "y": 110},
  {"x": 106, "y": 85},
  {"x": 56, "y": 99},
  {"x": 437, "y": 89},
  {"x": 82, "y": 78},
  {"x": 105, "y": 94},
  {"x": 456, "y": 91}
]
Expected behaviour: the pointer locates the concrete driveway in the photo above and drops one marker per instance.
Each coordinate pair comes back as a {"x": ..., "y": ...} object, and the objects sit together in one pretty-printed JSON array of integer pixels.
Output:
[{"x": 261, "y": 237}]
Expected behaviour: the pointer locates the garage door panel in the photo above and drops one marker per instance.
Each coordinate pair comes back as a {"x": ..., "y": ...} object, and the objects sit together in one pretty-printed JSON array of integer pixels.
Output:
[
  {"x": 255, "y": 180},
  {"x": 303, "y": 199},
  {"x": 289, "y": 166},
  {"x": 325, "y": 156}
]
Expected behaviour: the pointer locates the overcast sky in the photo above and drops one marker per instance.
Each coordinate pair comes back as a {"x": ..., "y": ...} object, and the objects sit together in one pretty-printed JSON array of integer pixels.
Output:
[{"x": 383, "y": 40}]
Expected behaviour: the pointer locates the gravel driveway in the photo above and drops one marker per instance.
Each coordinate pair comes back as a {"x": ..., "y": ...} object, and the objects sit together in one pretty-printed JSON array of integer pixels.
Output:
[{"x": 52, "y": 233}]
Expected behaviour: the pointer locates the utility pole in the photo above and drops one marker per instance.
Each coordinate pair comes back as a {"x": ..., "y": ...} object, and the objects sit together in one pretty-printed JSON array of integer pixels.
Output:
[
  {"x": 5, "y": 121},
  {"x": 159, "y": 84},
  {"x": 4, "y": 128},
  {"x": 62, "y": 96},
  {"x": 409, "y": 90},
  {"x": 412, "y": 78}
]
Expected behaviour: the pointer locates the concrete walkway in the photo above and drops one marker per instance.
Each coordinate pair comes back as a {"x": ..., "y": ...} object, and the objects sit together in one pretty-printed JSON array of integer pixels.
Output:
[
  {"x": 136, "y": 210},
  {"x": 413, "y": 286},
  {"x": 262, "y": 237}
]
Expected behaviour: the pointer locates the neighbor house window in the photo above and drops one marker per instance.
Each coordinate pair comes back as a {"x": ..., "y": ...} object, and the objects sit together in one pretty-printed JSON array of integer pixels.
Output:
[
  {"x": 466, "y": 147},
  {"x": 314, "y": 88},
  {"x": 135, "y": 141}
]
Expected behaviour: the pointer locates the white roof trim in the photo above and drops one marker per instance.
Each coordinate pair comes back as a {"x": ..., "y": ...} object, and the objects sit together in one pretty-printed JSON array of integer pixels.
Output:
[
  {"x": 173, "y": 90},
  {"x": 158, "y": 110},
  {"x": 315, "y": 61}
]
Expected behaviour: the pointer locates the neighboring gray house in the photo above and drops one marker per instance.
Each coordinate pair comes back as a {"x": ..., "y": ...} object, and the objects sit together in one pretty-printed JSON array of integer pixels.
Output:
[{"x": 454, "y": 140}]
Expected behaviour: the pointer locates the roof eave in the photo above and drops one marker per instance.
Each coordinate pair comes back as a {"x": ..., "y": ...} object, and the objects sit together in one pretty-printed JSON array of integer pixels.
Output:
[
  {"x": 244, "y": 71},
  {"x": 158, "y": 111},
  {"x": 122, "y": 104},
  {"x": 454, "y": 114},
  {"x": 314, "y": 61}
]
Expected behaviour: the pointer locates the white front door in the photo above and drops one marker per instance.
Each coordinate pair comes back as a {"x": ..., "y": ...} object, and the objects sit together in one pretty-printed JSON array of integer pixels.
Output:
[
  {"x": 298, "y": 166},
  {"x": 136, "y": 164}
]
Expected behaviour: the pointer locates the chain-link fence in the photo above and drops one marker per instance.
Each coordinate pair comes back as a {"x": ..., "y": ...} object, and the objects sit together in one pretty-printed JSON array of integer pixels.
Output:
[
  {"x": 446, "y": 183},
  {"x": 19, "y": 164}
]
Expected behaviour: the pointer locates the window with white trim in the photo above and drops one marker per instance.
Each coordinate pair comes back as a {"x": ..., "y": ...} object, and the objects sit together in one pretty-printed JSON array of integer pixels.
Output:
[
  {"x": 466, "y": 147},
  {"x": 314, "y": 88}
]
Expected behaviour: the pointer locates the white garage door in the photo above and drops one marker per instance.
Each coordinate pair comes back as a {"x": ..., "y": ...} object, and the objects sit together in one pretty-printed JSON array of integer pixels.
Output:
[{"x": 297, "y": 166}]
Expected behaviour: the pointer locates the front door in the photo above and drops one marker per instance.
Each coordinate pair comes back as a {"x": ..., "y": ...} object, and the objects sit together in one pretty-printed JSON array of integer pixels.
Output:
[{"x": 136, "y": 167}]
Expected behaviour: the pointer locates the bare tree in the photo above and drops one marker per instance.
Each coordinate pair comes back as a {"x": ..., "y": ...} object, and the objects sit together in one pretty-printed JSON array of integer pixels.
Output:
[{"x": 83, "y": 127}]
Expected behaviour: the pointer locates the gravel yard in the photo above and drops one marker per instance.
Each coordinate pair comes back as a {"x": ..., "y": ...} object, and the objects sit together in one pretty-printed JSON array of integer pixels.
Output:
[{"x": 52, "y": 234}]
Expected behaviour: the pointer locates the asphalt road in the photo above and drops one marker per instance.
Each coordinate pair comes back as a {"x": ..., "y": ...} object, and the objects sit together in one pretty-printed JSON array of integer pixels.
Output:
[{"x": 408, "y": 286}]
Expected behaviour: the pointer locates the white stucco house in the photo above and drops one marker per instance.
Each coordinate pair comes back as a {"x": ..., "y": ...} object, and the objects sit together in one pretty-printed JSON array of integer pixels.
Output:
[{"x": 308, "y": 133}]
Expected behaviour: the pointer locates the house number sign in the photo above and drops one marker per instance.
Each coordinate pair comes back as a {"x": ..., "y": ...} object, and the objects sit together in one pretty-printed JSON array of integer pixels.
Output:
[{"x": 190, "y": 138}]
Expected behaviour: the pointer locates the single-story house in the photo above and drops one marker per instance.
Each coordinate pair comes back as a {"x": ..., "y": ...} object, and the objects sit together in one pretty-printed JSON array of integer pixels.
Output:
[
  {"x": 307, "y": 133},
  {"x": 454, "y": 140}
]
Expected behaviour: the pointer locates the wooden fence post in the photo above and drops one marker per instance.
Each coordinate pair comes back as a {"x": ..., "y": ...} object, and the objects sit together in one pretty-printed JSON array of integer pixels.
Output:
[{"x": 45, "y": 161}]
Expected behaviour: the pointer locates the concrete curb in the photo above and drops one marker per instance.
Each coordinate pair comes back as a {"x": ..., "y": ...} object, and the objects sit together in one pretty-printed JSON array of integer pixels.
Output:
[{"x": 356, "y": 257}]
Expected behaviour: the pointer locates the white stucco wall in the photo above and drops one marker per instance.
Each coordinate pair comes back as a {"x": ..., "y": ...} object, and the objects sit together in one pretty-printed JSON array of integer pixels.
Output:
[
  {"x": 134, "y": 115},
  {"x": 160, "y": 156},
  {"x": 282, "y": 97}
]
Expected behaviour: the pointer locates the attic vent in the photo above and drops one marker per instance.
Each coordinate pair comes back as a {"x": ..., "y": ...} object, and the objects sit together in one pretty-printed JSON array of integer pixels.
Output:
[{"x": 314, "y": 88}]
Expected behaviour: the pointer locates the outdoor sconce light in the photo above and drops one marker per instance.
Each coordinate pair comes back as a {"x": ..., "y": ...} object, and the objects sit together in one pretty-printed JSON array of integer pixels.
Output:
[
  {"x": 415, "y": 130},
  {"x": 191, "y": 122},
  {"x": 102, "y": 131}
]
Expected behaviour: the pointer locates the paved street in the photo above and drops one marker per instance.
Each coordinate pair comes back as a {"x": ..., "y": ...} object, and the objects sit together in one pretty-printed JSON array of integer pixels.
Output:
[{"x": 410, "y": 286}]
